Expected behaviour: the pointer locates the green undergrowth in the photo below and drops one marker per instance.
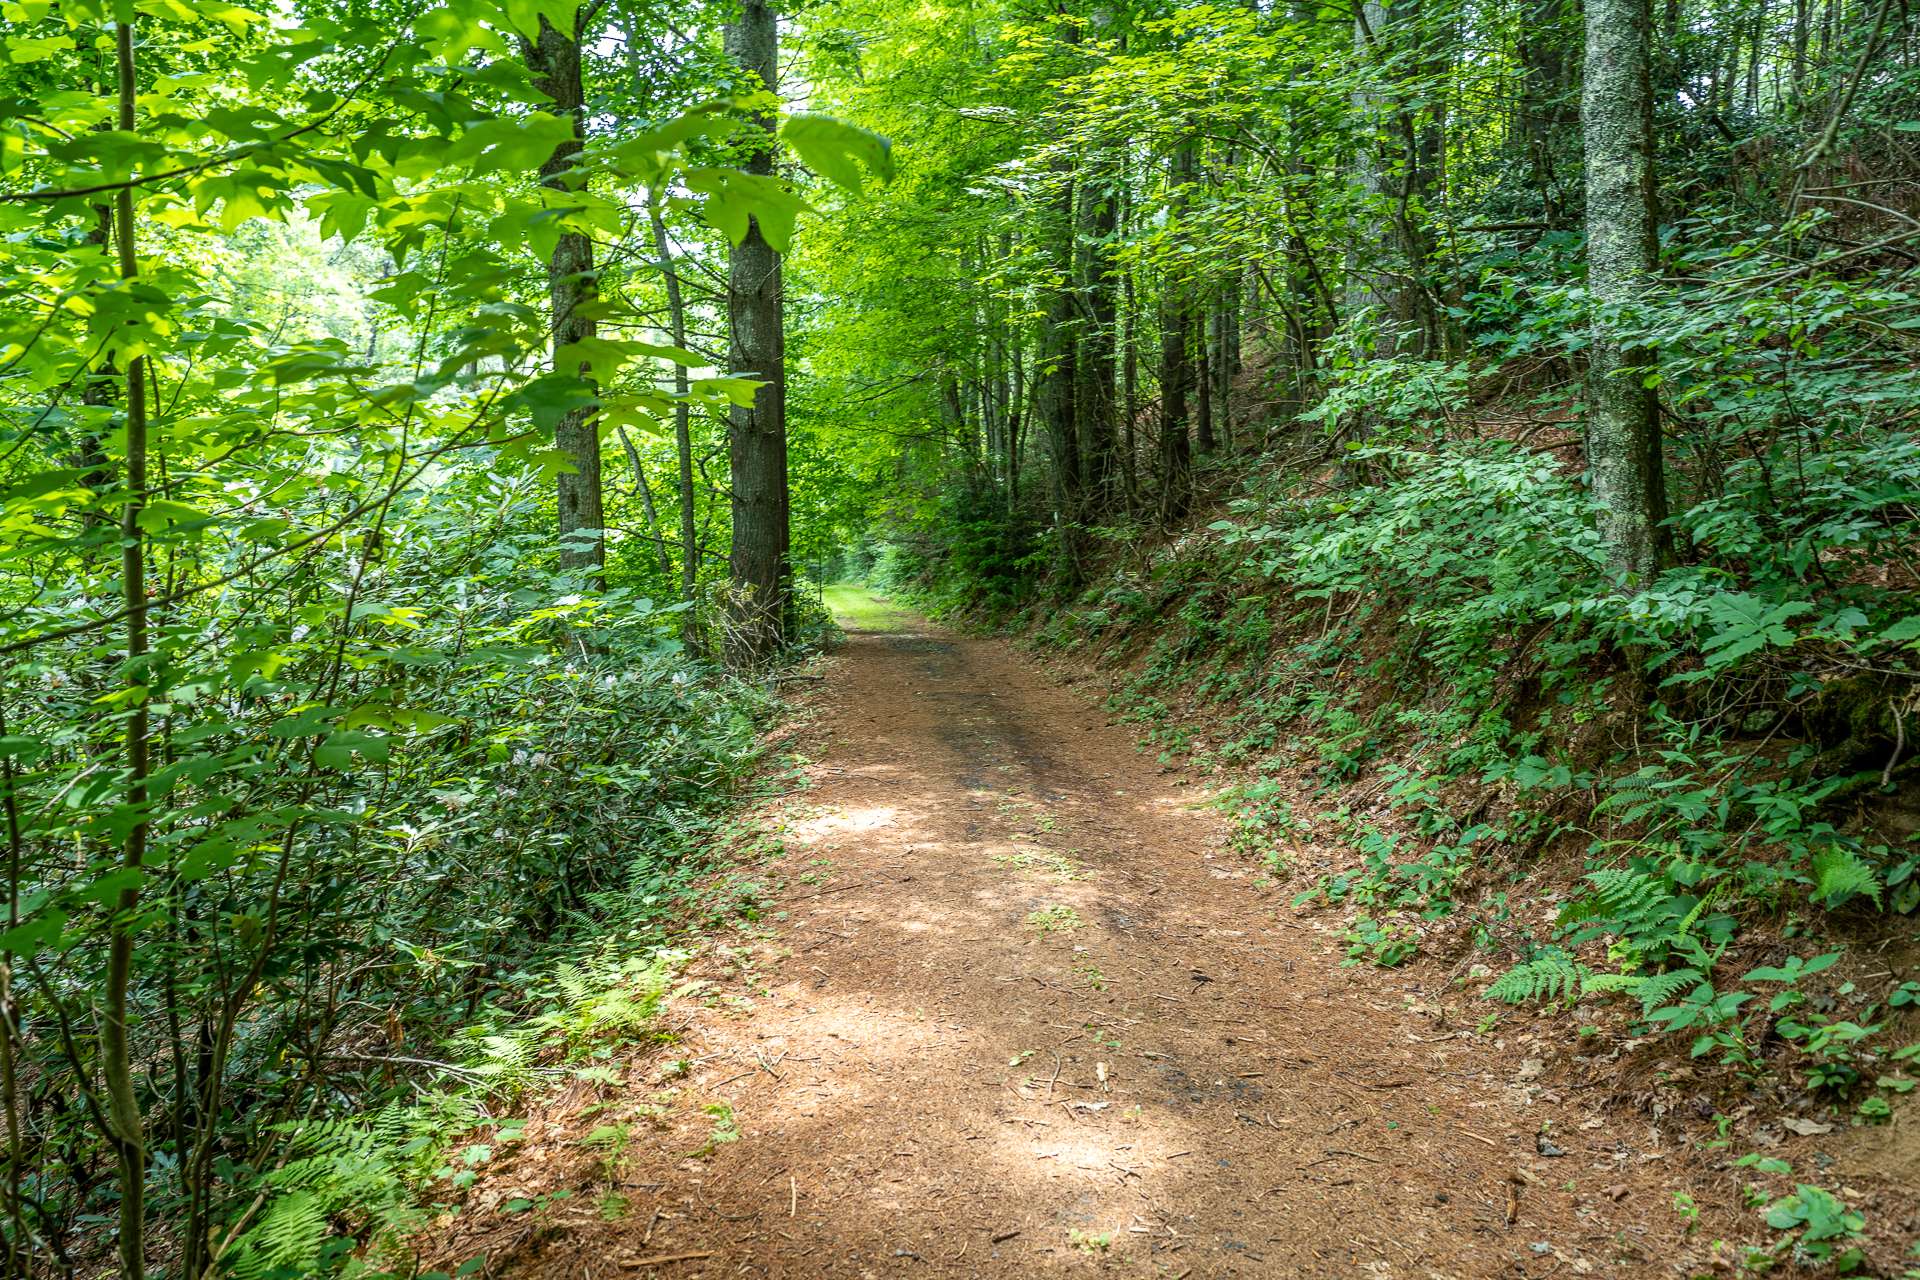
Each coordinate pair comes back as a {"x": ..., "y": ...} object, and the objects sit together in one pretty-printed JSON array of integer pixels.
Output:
[
  {"x": 1673, "y": 807},
  {"x": 605, "y": 808}
]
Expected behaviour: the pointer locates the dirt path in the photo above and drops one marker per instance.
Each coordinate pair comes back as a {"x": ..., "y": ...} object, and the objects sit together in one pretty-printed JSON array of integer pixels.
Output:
[{"x": 1015, "y": 1014}]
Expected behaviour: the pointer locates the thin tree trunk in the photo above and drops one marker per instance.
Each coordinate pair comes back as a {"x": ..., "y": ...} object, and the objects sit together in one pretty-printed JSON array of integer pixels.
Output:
[
  {"x": 116, "y": 1058},
  {"x": 682, "y": 412},
  {"x": 572, "y": 289},
  {"x": 1623, "y": 439},
  {"x": 1543, "y": 57},
  {"x": 1176, "y": 364},
  {"x": 1094, "y": 394},
  {"x": 1016, "y": 420},
  {"x": 1130, "y": 393},
  {"x": 1058, "y": 355},
  {"x": 757, "y": 436},
  {"x": 1220, "y": 362},
  {"x": 645, "y": 490},
  {"x": 1365, "y": 286},
  {"x": 1202, "y": 358}
]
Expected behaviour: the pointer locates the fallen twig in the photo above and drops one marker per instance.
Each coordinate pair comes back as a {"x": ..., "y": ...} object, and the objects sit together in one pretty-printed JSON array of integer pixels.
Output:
[{"x": 660, "y": 1258}]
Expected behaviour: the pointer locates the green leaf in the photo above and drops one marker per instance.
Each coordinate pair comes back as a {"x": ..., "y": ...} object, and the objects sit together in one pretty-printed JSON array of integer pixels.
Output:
[
  {"x": 43, "y": 930},
  {"x": 517, "y": 145},
  {"x": 840, "y": 152},
  {"x": 735, "y": 201},
  {"x": 1902, "y": 632},
  {"x": 337, "y": 750}
]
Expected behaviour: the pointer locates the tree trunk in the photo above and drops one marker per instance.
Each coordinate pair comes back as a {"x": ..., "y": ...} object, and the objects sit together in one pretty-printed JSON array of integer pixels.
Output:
[
  {"x": 1623, "y": 438},
  {"x": 1202, "y": 358},
  {"x": 1223, "y": 324},
  {"x": 1059, "y": 349},
  {"x": 572, "y": 288},
  {"x": 757, "y": 436},
  {"x": 647, "y": 507},
  {"x": 1130, "y": 390},
  {"x": 1543, "y": 59},
  {"x": 1094, "y": 377},
  {"x": 128, "y": 1136},
  {"x": 1176, "y": 363},
  {"x": 682, "y": 412},
  {"x": 1366, "y": 287}
]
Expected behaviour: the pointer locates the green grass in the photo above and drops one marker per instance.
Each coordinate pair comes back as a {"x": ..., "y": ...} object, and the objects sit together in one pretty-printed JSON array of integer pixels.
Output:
[{"x": 856, "y": 608}]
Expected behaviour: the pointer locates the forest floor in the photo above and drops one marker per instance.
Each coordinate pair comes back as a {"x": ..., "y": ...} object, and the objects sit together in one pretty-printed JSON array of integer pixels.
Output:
[{"x": 1013, "y": 1010}]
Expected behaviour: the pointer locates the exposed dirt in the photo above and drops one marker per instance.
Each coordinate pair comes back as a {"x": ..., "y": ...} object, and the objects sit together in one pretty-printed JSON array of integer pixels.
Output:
[{"x": 1015, "y": 1012}]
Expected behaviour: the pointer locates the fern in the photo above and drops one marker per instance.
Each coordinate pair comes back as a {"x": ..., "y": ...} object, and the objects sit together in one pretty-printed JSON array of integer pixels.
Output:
[
  {"x": 360, "y": 1169},
  {"x": 1643, "y": 912},
  {"x": 290, "y": 1235},
  {"x": 1625, "y": 892},
  {"x": 1651, "y": 989},
  {"x": 1840, "y": 874},
  {"x": 1550, "y": 975}
]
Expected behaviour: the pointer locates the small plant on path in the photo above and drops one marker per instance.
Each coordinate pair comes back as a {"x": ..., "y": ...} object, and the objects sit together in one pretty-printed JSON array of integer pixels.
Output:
[{"x": 1054, "y": 917}]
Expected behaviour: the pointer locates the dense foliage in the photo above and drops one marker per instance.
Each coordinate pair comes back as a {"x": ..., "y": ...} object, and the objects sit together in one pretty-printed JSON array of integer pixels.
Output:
[
  {"x": 1500, "y": 410},
  {"x": 321, "y": 748},
  {"x": 1580, "y": 592}
]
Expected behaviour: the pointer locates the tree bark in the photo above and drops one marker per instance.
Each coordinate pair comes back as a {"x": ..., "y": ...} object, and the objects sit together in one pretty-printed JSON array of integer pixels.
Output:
[
  {"x": 757, "y": 436},
  {"x": 128, "y": 1135},
  {"x": 1059, "y": 355},
  {"x": 1176, "y": 362},
  {"x": 572, "y": 288},
  {"x": 1623, "y": 437},
  {"x": 682, "y": 412},
  {"x": 1095, "y": 370}
]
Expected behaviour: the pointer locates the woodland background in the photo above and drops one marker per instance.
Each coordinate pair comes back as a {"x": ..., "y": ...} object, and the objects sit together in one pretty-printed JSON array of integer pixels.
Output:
[{"x": 1500, "y": 414}]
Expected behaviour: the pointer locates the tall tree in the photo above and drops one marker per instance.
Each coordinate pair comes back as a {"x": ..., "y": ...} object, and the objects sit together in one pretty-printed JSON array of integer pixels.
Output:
[
  {"x": 1177, "y": 333},
  {"x": 1059, "y": 408},
  {"x": 125, "y": 1126},
  {"x": 682, "y": 427},
  {"x": 1094, "y": 390},
  {"x": 1623, "y": 433},
  {"x": 1544, "y": 94},
  {"x": 757, "y": 434},
  {"x": 572, "y": 289},
  {"x": 1367, "y": 286}
]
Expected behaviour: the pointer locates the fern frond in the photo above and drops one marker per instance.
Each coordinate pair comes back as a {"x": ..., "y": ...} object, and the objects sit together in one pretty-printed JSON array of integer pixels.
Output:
[
  {"x": 1551, "y": 975},
  {"x": 1626, "y": 892},
  {"x": 1840, "y": 874},
  {"x": 288, "y": 1237},
  {"x": 1651, "y": 989}
]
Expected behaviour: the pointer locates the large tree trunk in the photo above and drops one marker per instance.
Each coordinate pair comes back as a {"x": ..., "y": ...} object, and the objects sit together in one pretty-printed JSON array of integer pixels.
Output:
[
  {"x": 554, "y": 60},
  {"x": 1623, "y": 436},
  {"x": 757, "y": 436}
]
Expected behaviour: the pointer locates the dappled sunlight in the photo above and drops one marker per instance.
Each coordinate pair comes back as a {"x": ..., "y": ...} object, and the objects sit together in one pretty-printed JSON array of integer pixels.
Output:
[
  {"x": 1043, "y": 1141},
  {"x": 843, "y": 822}
]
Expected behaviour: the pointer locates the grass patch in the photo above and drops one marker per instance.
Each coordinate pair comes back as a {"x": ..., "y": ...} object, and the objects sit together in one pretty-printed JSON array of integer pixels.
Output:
[{"x": 856, "y": 608}]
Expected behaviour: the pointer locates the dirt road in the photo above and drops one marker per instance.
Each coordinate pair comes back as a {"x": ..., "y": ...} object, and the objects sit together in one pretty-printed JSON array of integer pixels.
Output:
[{"x": 1015, "y": 1013}]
